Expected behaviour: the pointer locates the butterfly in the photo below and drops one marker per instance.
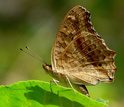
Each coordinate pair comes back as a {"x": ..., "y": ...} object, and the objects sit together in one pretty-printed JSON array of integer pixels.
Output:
[{"x": 79, "y": 55}]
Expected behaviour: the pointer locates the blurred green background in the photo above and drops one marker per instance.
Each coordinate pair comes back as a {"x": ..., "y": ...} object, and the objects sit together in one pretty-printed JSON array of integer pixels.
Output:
[{"x": 35, "y": 23}]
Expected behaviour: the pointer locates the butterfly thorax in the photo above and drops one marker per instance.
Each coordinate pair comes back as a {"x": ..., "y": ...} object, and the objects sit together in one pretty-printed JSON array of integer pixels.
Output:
[{"x": 54, "y": 74}]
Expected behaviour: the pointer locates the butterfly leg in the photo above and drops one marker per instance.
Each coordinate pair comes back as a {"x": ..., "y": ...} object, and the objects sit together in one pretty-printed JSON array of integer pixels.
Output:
[
  {"x": 70, "y": 83},
  {"x": 84, "y": 89},
  {"x": 55, "y": 81}
]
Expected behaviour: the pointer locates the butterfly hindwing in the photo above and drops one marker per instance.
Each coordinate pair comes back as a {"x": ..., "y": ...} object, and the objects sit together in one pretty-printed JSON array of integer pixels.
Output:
[{"x": 87, "y": 59}]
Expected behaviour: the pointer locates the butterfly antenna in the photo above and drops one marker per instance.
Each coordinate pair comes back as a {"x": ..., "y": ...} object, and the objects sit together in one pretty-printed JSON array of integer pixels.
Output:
[{"x": 33, "y": 54}]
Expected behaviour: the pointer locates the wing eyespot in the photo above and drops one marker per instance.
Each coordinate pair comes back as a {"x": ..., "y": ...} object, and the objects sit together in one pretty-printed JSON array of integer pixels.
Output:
[
  {"x": 89, "y": 49},
  {"x": 100, "y": 65}
]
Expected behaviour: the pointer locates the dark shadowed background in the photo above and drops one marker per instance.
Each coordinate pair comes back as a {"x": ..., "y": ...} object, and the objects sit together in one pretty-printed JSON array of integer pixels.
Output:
[{"x": 35, "y": 23}]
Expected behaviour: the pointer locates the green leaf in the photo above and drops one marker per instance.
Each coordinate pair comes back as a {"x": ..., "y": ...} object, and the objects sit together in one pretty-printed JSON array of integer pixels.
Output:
[{"x": 40, "y": 94}]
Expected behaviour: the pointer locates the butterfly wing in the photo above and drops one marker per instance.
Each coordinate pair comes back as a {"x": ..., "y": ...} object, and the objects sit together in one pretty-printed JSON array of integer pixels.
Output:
[
  {"x": 87, "y": 60},
  {"x": 76, "y": 21},
  {"x": 79, "y": 52}
]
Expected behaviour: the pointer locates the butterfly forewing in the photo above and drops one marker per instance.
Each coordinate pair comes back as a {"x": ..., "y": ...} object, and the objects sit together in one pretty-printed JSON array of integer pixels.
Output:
[{"x": 76, "y": 21}]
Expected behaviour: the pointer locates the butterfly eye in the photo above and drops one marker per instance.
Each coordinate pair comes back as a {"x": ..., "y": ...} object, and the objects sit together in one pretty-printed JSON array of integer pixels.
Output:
[{"x": 100, "y": 64}]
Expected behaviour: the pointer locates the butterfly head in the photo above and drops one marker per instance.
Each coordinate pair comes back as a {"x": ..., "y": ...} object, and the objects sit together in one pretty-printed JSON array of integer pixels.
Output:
[{"x": 47, "y": 67}]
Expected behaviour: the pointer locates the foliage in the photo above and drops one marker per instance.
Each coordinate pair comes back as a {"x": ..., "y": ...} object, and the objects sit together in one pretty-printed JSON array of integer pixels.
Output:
[{"x": 37, "y": 94}]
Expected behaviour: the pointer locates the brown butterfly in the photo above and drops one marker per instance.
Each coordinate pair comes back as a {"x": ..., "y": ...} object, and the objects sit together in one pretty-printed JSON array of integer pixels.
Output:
[{"x": 79, "y": 55}]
